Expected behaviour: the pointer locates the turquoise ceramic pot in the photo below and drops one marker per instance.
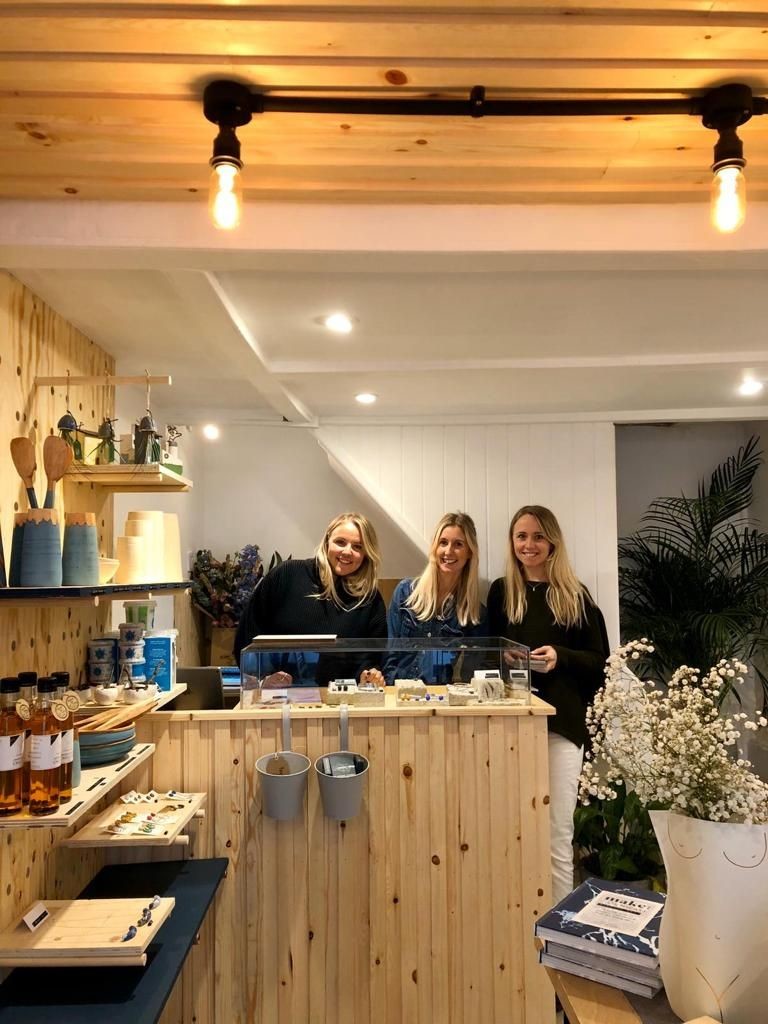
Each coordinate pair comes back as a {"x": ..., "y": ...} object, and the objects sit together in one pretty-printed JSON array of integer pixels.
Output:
[
  {"x": 41, "y": 550},
  {"x": 80, "y": 561}
]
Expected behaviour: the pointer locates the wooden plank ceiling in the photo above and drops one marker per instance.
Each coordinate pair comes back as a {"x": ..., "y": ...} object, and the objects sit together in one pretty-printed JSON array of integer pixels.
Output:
[{"x": 102, "y": 100}]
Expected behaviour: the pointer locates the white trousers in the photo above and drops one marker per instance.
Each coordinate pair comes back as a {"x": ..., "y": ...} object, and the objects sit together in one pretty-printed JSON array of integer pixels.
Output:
[{"x": 565, "y": 760}]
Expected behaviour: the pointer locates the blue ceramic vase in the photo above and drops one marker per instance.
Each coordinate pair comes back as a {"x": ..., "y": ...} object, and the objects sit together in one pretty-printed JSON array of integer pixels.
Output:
[
  {"x": 41, "y": 549},
  {"x": 80, "y": 561},
  {"x": 17, "y": 539}
]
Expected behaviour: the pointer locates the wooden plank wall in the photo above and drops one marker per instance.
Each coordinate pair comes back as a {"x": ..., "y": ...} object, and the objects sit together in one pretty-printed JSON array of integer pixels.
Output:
[
  {"x": 34, "y": 340},
  {"x": 420, "y": 910}
]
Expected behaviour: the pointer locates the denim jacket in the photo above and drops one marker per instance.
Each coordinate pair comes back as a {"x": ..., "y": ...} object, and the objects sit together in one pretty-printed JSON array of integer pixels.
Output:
[{"x": 402, "y": 625}]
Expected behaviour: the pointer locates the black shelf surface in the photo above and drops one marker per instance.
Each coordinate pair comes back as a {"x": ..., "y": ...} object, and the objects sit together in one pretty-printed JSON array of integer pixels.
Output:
[
  {"x": 103, "y": 590},
  {"x": 120, "y": 995}
]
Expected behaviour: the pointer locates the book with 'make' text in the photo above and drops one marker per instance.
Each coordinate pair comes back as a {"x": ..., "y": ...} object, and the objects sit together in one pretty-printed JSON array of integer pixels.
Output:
[{"x": 618, "y": 920}]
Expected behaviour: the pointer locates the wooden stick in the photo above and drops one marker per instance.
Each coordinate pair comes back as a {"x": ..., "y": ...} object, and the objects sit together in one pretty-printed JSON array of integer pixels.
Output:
[{"x": 106, "y": 380}]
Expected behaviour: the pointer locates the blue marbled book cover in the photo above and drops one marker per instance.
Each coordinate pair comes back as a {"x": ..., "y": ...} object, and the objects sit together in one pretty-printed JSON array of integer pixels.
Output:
[{"x": 622, "y": 921}]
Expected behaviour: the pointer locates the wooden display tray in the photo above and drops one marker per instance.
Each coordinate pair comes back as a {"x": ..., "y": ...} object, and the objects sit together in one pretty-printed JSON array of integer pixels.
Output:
[
  {"x": 95, "y": 832},
  {"x": 163, "y": 697},
  {"x": 94, "y": 784},
  {"x": 85, "y": 933}
]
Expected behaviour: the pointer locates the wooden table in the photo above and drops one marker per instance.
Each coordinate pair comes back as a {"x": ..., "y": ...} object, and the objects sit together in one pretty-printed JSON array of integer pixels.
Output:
[{"x": 587, "y": 1002}]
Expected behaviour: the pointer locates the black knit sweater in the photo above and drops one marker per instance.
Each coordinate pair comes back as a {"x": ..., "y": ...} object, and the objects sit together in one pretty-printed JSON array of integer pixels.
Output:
[
  {"x": 282, "y": 603},
  {"x": 581, "y": 652}
]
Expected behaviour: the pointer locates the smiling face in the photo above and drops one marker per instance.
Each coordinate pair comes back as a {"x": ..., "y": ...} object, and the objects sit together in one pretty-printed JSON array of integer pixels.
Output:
[
  {"x": 531, "y": 547},
  {"x": 345, "y": 549},
  {"x": 452, "y": 553}
]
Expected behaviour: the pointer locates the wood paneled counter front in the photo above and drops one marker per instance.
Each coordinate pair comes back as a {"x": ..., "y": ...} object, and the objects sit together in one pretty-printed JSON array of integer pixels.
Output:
[{"x": 420, "y": 910}]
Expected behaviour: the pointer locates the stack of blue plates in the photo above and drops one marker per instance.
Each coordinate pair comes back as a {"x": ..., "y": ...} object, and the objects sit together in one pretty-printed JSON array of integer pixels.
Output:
[{"x": 98, "y": 748}]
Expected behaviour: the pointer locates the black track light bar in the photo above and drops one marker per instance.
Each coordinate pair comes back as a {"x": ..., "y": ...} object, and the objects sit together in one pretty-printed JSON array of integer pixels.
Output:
[{"x": 234, "y": 103}]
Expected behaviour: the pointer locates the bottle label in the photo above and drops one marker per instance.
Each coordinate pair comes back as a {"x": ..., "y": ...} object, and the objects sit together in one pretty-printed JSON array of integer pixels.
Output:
[
  {"x": 67, "y": 746},
  {"x": 23, "y": 710},
  {"x": 59, "y": 710},
  {"x": 46, "y": 752},
  {"x": 72, "y": 700},
  {"x": 11, "y": 752}
]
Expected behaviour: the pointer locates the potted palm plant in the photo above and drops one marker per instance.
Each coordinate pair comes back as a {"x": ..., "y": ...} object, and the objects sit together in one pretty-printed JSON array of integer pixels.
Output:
[{"x": 695, "y": 575}]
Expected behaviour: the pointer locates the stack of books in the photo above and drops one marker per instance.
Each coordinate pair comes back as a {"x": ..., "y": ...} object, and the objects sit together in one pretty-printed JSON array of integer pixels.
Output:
[{"x": 607, "y": 932}]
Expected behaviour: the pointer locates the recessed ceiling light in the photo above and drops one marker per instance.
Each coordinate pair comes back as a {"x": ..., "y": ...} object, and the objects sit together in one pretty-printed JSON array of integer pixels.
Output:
[
  {"x": 339, "y": 323},
  {"x": 365, "y": 398},
  {"x": 211, "y": 432},
  {"x": 750, "y": 386}
]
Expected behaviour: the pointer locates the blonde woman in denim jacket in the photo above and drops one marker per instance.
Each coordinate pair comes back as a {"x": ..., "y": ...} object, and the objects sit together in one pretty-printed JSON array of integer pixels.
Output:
[{"x": 442, "y": 603}]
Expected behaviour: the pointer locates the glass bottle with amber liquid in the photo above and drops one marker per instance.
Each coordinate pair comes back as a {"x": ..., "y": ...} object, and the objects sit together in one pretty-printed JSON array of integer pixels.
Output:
[
  {"x": 11, "y": 748},
  {"x": 28, "y": 684},
  {"x": 67, "y": 736},
  {"x": 45, "y": 762}
]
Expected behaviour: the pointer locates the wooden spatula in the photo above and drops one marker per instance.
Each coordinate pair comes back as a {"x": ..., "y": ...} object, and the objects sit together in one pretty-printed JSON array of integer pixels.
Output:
[
  {"x": 57, "y": 458},
  {"x": 23, "y": 455}
]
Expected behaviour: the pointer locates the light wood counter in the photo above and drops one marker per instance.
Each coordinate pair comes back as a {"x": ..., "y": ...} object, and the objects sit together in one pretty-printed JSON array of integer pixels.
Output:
[
  {"x": 419, "y": 910},
  {"x": 587, "y": 1002}
]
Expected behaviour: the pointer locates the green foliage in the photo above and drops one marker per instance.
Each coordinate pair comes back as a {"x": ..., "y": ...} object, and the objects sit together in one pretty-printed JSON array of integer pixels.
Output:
[
  {"x": 615, "y": 839},
  {"x": 695, "y": 576}
]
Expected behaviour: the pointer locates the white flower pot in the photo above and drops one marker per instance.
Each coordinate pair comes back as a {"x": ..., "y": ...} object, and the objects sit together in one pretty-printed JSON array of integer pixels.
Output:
[{"x": 714, "y": 938}]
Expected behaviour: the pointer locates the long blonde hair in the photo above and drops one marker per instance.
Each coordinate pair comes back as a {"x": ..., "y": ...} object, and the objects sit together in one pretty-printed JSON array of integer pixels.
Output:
[
  {"x": 466, "y": 597},
  {"x": 362, "y": 583},
  {"x": 565, "y": 594}
]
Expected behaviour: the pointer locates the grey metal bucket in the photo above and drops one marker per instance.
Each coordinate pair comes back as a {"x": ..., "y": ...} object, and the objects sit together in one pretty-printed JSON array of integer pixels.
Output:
[
  {"x": 341, "y": 775},
  {"x": 283, "y": 794}
]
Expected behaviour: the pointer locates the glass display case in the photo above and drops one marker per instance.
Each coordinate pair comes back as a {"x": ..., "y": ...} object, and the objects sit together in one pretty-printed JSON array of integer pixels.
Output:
[{"x": 458, "y": 670}]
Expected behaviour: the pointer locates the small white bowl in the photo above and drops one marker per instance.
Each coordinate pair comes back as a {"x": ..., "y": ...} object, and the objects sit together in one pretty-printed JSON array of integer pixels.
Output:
[
  {"x": 133, "y": 695},
  {"x": 107, "y": 569},
  {"x": 107, "y": 694}
]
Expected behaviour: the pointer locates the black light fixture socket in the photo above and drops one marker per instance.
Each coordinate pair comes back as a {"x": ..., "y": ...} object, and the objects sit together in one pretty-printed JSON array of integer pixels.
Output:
[
  {"x": 229, "y": 104},
  {"x": 725, "y": 109},
  {"x": 226, "y": 148}
]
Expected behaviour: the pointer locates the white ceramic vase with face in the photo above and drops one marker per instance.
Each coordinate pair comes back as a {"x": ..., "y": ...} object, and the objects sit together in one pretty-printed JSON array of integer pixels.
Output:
[{"x": 714, "y": 937}]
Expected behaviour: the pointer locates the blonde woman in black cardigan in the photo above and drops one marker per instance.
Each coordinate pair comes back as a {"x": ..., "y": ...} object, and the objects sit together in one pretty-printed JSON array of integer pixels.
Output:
[{"x": 541, "y": 603}]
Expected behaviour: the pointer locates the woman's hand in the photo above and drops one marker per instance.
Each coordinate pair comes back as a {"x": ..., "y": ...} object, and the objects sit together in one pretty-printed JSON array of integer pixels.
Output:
[
  {"x": 548, "y": 655},
  {"x": 371, "y": 677},
  {"x": 277, "y": 681}
]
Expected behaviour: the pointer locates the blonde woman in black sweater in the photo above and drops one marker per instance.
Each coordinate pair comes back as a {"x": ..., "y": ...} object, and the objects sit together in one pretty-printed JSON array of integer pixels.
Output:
[{"x": 541, "y": 603}]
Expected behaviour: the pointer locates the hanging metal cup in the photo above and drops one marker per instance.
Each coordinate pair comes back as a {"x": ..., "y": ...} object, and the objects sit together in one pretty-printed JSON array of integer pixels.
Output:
[
  {"x": 283, "y": 777},
  {"x": 341, "y": 775}
]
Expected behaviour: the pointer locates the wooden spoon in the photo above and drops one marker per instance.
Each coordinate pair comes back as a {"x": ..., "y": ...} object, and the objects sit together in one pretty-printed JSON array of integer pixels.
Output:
[
  {"x": 57, "y": 458},
  {"x": 23, "y": 455}
]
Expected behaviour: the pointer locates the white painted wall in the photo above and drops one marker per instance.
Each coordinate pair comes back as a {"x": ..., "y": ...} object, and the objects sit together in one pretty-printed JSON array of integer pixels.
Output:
[
  {"x": 656, "y": 460},
  {"x": 273, "y": 486},
  {"x": 417, "y": 473}
]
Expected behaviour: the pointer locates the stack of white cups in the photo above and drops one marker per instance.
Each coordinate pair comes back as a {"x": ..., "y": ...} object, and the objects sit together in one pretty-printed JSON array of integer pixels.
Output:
[{"x": 149, "y": 548}]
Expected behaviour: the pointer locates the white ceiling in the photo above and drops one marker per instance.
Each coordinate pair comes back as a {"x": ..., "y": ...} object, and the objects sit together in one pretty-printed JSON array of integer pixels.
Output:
[{"x": 608, "y": 334}]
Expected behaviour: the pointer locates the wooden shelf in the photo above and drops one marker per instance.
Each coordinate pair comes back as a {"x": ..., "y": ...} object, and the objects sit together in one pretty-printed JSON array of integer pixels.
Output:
[
  {"x": 18, "y": 597},
  {"x": 126, "y": 478},
  {"x": 95, "y": 783},
  {"x": 95, "y": 832}
]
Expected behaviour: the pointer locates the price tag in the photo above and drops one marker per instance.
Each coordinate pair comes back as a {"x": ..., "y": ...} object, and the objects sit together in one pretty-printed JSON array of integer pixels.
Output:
[
  {"x": 35, "y": 916},
  {"x": 59, "y": 710},
  {"x": 72, "y": 700},
  {"x": 23, "y": 710}
]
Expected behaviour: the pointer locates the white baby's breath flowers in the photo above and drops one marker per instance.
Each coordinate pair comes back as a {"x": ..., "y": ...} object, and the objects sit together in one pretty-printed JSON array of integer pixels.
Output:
[{"x": 673, "y": 747}]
